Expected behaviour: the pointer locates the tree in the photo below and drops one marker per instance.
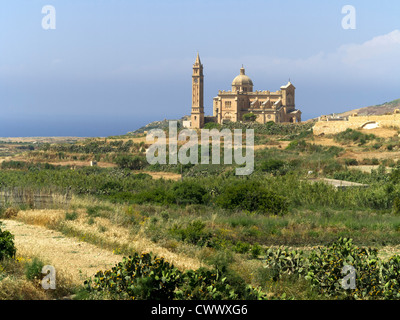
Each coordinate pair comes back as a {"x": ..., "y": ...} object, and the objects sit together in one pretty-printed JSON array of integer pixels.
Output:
[
  {"x": 7, "y": 247},
  {"x": 249, "y": 117}
]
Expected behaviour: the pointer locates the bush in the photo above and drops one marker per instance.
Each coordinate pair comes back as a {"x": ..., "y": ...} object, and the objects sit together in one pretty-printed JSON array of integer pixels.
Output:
[
  {"x": 188, "y": 193},
  {"x": 242, "y": 247},
  {"x": 129, "y": 162},
  {"x": 147, "y": 277},
  {"x": 7, "y": 247},
  {"x": 142, "y": 277},
  {"x": 375, "y": 279},
  {"x": 394, "y": 176},
  {"x": 273, "y": 166},
  {"x": 249, "y": 117},
  {"x": 193, "y": 233},
  {"x": 93, "y": 211},
  {"x": 204, "y": 284},
  {"x": 396, "y": 206},
  {"x": 251, "y": 196},
  {"x": 71, "y": 216},
  {"x": 326, "y": 265},
  {"x": 351, "y": 135},
  {"x": 351, "y": 162},
  {"x": 256, "y": 250},
  {"x": 156, "y": 194},
  {"x": 283, "y": 260},
  {"x": 212, "y": 125},
  {"x": 33, "y": 269},
  {"x": 370, "y": 162}
]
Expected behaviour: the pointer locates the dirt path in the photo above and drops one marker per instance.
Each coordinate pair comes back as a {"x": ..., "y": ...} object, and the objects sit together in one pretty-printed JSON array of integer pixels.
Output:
[{"x": 72, "y": 257}]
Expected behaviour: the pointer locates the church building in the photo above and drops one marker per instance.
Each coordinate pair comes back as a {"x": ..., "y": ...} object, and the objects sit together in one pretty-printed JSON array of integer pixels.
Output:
[{"x": 266, "y": 106}]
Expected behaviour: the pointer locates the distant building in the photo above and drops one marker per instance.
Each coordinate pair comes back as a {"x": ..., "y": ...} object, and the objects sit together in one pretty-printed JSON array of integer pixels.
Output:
[
  {"x": 232, "y": 105},
  {"x": 186, "y": 124}
]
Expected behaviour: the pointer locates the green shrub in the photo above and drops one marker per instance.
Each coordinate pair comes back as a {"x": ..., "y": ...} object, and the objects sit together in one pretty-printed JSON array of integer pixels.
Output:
[
  {"x": 251, "y": 196},
  {"x": 131, "y": 162},
  {"x": 147, "y": 277},
  {"x": 71, "y": 216},
  {"x": 110, "y": 187},
  {"x": 256, "y": 250},
  {"x": 351, "y": 135},
  {"x": 33, "y": 269},
  {"x": 390, "y": 147},
  {"x": 212, "y": 125},
  {"x": 204, "y": 284},
  {"x": 284, "y": 260},
  {"x": 165, "y": 216},
  {"x": 323, "y": 267},
  {"x": 141, "y": 277},
  {"x": 351, "y": 162},
  {"x": 7, "y": 247},
  {"x": 273, "y": 166},
  {"x": 193, "y": 233},
  {"x": 396, "y": 206},
  {"x": 157, "y": 194},
  {"x": 184, "y": 193},
  {"x": 249, "y": 117},
  {"x": 301, "y": 145},
  {"x": 242, "y": 247},
  {"x": 326, "y": 265},
  {"x": 394, "y": 176}
]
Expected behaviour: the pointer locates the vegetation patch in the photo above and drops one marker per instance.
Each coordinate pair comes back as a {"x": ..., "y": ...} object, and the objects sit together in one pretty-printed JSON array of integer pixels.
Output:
[
  {"x": 354, "y": 136},
  {"x": 148, "y": 277}
]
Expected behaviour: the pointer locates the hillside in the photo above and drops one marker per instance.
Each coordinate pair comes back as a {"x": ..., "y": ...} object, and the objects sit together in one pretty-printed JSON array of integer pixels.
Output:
[
  {"x": 387, "y": 107},
  {"x": 158, "y": 125}
]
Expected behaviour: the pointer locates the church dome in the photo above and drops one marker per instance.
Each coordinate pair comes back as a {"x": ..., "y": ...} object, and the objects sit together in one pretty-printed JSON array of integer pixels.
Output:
[{"x": 242, "y": 80}]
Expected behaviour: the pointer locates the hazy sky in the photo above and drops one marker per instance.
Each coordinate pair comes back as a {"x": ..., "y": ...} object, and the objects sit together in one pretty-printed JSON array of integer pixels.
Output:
[{"x": 112, "y": 66}]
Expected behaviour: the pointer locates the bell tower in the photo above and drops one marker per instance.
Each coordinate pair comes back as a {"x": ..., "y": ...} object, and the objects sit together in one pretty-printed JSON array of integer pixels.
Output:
[{"x": 197, "y": 118}]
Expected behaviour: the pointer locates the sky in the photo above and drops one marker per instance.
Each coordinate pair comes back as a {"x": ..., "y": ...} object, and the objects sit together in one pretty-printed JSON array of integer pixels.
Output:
[{"x": 110, "y": 67}]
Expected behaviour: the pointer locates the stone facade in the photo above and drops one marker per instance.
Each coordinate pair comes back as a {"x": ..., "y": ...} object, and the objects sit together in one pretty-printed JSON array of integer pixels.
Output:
[
  {"x": 327, "y": 126},
  {"x": 278, "y": 106}
]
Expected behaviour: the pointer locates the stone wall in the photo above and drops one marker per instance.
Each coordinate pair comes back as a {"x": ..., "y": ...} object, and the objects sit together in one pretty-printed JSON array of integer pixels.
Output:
[{"x": 356, "y": 122}]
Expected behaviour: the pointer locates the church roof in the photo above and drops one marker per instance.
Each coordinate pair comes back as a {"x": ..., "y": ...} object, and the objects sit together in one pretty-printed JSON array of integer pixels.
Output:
[
  {"x": 289, "y": 84},
  {"x": 242, "y": 79}
]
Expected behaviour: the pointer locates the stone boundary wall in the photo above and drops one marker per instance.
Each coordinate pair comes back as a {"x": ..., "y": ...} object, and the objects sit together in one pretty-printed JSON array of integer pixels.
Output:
[{"x": 355, "y": 122}]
